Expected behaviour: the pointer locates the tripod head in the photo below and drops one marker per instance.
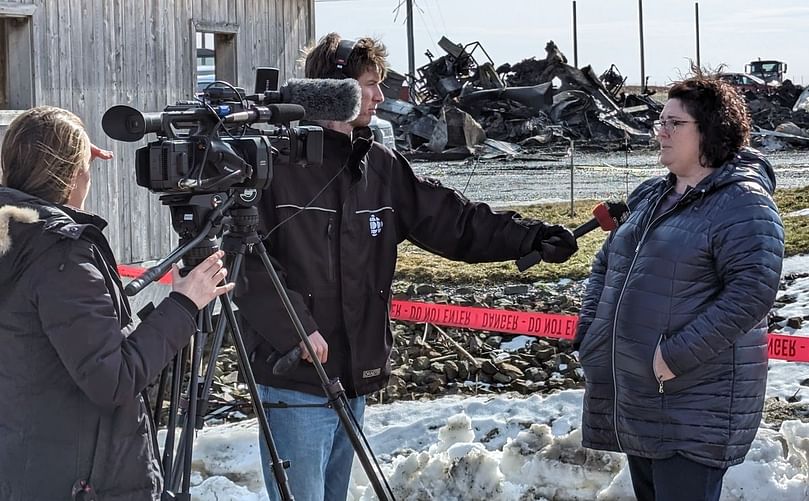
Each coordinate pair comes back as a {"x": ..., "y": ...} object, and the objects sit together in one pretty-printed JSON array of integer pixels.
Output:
[{"x": 199, "y": 220}]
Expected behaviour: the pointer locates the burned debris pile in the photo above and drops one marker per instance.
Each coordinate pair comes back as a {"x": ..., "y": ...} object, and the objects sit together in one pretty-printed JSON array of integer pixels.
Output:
[
  {"x": 462, "y": 102},
  {"x": 460, "y": 105},
  {"x": 780, "y": 116}
]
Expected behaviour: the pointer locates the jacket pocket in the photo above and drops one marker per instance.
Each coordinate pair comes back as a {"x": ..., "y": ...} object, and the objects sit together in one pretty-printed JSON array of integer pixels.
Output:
[
  {"x": 713, "y": 375},
  {"x": 584, "y": 345},
  {"x": 384, "y": 297}
]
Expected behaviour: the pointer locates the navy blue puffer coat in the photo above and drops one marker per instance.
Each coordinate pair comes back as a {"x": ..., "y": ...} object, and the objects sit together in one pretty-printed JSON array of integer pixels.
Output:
[{"x": 698, "y": 280}]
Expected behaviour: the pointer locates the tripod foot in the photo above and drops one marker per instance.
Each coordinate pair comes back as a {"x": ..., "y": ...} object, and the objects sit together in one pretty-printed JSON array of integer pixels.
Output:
[{"x": 170, "y": 496}]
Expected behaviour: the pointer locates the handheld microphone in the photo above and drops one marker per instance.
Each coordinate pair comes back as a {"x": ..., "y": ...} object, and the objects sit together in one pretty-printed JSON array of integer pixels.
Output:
[
  {"x": 321, "y": 98},
  {"x": 606, "y": 215}
]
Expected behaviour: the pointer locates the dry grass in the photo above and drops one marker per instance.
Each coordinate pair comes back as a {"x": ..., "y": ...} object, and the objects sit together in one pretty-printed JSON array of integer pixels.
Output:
[
  {"x": 417, "y": 265},
  {"x": 796, "y": 227}
]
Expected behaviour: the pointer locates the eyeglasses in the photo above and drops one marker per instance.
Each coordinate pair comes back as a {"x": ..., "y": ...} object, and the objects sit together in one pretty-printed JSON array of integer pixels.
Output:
[{"x": 670, "y": 125}]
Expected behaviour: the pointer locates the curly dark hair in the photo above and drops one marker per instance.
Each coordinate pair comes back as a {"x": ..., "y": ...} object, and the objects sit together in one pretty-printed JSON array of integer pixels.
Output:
[{"x": 721, "y": 114}]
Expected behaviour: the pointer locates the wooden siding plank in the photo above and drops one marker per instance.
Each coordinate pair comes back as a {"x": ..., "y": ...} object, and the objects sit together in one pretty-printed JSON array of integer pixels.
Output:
[
  {"x": 3, "y": 64},
  {"x": 48, "y": 71},
  {"x": 127, "y": 25},
  {"x": 100, "y": 70},
  {"x": 37, "y": 51},
  {"x": 148, "y": 206},
  {"x": 63, "y": 63},
  {"x": 246, "y": 44},
  {"x": 83, "y": 85}
]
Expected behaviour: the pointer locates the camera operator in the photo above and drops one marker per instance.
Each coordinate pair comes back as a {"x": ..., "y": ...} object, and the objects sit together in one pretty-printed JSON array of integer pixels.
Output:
[
  {"x": 73, "y": 424},
  {"x": 337, "y": 259}
]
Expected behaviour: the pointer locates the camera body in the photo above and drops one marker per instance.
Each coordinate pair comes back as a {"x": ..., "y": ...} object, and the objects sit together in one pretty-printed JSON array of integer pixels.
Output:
[
  {"x": 223, "y": 140},
  {"x": 183, "y": 164}
]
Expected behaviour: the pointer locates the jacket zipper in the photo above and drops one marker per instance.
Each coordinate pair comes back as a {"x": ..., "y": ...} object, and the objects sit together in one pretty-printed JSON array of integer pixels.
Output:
[
  {"x": 349, "y": 352},
  {"x": 618, "y": 307},
  {"x": 659, "y": 377},
  {"x": 330, "y": 245}
]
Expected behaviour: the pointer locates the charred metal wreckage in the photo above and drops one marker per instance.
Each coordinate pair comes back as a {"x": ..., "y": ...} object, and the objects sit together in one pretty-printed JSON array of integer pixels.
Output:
[{"x": 460, "y": 105}]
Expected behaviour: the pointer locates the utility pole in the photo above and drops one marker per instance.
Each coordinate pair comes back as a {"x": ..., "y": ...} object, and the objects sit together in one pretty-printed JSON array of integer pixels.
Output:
[
  {"x": 642, "y": 61},
  {"x": 696, "y": 23},
  {"x": 411, "y": 54},
  {"x": 575, "y": 39}
]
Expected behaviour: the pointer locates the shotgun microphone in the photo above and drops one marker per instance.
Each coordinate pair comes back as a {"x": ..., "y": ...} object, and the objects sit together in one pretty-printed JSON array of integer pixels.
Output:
[
  {"x": 606, "y": 215},
  {"x": 321, "y": 98}
]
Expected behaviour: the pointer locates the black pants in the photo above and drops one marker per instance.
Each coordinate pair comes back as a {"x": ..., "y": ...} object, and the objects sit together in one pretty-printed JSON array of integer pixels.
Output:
[{"x": 674, "y": 479}]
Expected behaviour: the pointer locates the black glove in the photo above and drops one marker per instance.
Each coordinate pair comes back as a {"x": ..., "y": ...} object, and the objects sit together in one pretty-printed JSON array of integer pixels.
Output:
[{"x": 555, "y": 244}]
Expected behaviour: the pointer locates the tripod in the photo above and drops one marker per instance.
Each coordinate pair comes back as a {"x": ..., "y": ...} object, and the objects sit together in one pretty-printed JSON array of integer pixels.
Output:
[{"x": 237, "y": 215}]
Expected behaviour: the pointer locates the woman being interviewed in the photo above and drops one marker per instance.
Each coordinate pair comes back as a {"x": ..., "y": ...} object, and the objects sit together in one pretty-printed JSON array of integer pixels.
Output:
[
  {"x": 672, "y": 334},
  {"x": 73, "y": 424}
]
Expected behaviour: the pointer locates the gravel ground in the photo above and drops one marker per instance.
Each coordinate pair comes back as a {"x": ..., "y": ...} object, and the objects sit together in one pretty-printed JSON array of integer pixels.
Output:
[
  {"x": 427, "y": 366},
  {"x": 596, "y": 176}
]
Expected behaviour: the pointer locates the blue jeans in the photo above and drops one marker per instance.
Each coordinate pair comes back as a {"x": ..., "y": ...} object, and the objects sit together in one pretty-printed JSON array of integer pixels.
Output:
[
  {"x": 312, "y": 440},
  {"x": 674, "y": 479}
]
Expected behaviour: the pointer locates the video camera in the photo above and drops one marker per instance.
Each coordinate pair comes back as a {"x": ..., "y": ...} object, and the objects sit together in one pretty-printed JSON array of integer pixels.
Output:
[{"x": 209, "y": 144}]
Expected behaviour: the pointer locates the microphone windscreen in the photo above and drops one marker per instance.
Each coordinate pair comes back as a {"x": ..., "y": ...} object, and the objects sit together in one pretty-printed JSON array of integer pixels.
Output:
[
  {"x": 323, "y": 98},
  {"x": 618, "y": 210},
  {"x": 601, "y": 213}
]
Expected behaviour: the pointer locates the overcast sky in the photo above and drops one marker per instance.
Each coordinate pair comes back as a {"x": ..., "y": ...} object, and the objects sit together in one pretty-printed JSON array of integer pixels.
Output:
[{"x": 731, "y": 32}]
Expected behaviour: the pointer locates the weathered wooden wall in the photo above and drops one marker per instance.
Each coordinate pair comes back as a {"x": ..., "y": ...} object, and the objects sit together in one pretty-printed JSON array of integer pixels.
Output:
[
  {"x": 89, "y": 55},
  {"x": 3, "y": 67}
]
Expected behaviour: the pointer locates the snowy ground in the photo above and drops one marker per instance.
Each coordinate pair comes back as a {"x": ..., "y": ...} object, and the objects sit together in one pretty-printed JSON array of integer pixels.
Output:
[{"x": 515, "y": 448}]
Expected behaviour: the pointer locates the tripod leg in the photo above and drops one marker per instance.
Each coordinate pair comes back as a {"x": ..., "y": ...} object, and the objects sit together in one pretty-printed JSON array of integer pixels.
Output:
[
  {"x": 216, "y": 342},
  {"x": 333, "y": 389},
  {"x": 178, "y": 474},
  {"x": 247, "y": 372},
  {"x": 152, "y": 425},
  {"x": 161, "y": 395},
  {"x": 181, "y": 475},
  {"x": 176, "y": 386}
]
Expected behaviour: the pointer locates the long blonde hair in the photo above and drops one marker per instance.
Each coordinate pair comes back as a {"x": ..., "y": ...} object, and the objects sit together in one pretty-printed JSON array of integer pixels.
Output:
[{"x": 43, "y": 150}]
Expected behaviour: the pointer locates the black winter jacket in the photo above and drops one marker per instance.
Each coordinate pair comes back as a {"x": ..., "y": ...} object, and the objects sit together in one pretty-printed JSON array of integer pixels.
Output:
[
  {"x": 71, "y": 366},
  {"x": 337, "y": 256},
  {"x": 698, "y": 280}
]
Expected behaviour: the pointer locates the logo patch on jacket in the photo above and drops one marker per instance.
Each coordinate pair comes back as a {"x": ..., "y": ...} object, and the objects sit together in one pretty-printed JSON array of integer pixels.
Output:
[
  {"x": 371, "y": 373},
  {"x": 375, "y": 224}
]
